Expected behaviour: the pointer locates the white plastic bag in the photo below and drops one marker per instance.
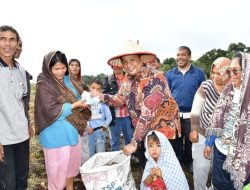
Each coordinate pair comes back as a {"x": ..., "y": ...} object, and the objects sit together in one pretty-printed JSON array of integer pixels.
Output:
[{"x": 108, "y": 171}]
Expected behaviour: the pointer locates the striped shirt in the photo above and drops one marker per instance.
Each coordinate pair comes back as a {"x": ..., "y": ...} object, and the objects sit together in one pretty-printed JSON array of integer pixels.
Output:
[
  {"x": 211, "y": 98},
  {"x": 204, "y": 103}
]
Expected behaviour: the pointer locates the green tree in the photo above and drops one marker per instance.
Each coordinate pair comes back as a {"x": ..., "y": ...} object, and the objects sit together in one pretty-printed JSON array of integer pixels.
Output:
[
  {"x": 206, "y": 60},
  {"x": 233, "y": 47},
  {"x": 101, "y": 76},
  {"x": 168, "y": 64}
]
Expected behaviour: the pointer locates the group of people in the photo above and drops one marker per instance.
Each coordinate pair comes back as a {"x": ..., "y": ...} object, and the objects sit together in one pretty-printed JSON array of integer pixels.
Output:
[{"x": 168, "y": 119}]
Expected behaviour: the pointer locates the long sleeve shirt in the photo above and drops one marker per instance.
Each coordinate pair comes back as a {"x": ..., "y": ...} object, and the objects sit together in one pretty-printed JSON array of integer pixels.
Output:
[
  {"x": 184, "y": 86},
  {"x": 101, "y": 116},
  {"x": 150, "y": 104}
]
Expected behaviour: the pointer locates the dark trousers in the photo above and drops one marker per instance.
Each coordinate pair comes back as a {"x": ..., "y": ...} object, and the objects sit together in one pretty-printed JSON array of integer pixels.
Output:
[
  {"x": 220, "y": 177},
  {"x": 140, "y": 153},
  {"x": 186, "y": 147},
  {"x": 177, "y": 147},
  {"x": 14, "y": 169}
]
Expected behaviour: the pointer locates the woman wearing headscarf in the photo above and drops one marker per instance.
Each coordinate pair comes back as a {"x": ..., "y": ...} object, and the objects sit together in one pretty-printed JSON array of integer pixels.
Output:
[
  {"x": 60, "y": 116},
  {"x": 204, "y": 103},
  {"x": 75, "y": 72},
  {"x": 229, "y": 129}
]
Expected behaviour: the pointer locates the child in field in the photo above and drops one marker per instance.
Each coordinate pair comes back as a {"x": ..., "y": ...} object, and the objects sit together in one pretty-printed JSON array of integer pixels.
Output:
[
  {"x": 101, "y": 117},
  {"x": 162, "y": 171}
]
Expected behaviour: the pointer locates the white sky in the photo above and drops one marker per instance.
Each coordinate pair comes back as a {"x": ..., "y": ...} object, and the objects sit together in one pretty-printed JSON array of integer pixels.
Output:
[{"x": 94, "y": 30}]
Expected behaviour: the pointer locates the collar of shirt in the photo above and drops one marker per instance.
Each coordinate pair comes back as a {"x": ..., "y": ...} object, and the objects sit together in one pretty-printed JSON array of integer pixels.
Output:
[
  {"x": 119, "y": 77},
  {"x": 3, "y": 64},
  {"x": 184, "y": 71}
]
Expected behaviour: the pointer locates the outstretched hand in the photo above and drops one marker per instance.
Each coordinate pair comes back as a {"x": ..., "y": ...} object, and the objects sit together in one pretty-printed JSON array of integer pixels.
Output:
[
  {"x": 129, "y": 149},
  {"x": 97, "y": 94}
]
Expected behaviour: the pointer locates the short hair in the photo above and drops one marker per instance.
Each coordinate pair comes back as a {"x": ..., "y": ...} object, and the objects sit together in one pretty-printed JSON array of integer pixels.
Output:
[
  {"x": 5, "y": 28},
  {"x": 59, "y": 57},
  {"x": 97, "y": 81},
  {"x": 153, "y": 137},
  {"x": 185, "y": 48}
]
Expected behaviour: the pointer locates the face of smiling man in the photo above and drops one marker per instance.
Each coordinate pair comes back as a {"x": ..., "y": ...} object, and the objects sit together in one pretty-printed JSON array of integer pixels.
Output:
[{"x": 132, "y": 64}]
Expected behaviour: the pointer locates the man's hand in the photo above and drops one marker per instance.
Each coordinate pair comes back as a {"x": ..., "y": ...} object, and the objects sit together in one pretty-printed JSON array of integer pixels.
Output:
[
  {"x": 1, "y": 153},
  {"x": 98, "y": 94},
  {"x": 90, "y": 130},
  {"x": 193, "y": 136},
  {"x": 207, "y": 152},
  {"x": 129, "y": 149}
]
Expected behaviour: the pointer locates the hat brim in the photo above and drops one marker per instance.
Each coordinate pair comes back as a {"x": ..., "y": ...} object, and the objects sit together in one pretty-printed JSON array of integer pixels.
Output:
[{"x": 145, "y": 57}]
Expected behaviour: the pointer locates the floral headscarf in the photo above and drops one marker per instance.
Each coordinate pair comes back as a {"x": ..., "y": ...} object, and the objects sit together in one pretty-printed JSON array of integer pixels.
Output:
[
  {"x": 222, "y": 64},
  {"x": 51, "y": 94}
]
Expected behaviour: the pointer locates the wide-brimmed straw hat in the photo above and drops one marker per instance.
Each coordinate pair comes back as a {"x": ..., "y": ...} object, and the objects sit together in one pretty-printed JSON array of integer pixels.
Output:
[{"x": 131, "y": 48}]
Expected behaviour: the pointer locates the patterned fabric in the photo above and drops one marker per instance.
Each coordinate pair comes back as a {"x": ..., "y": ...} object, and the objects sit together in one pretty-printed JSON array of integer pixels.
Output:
[
  {"x": 150, "y": 104},
  {"x": 211, "y": 96},
  {"x": 222, "y": 64},
  {"x": 51, "y": 94},
  {"x": 172, "y": 173},
  {"x": 204, "y": 103},
  {"x": 158, "y": 184},
  {"x": 237, "y": 162}
]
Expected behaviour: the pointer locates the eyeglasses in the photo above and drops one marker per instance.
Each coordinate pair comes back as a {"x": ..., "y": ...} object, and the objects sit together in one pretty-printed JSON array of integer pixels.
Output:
[{"x": 234, "y": 71}]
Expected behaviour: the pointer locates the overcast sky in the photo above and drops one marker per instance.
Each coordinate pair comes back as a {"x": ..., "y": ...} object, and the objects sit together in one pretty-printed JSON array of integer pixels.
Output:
[{"x": 94, "y": 30}]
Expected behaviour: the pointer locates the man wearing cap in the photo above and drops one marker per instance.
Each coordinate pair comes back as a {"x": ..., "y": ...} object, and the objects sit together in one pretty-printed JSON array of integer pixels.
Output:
[{"x": 147, "y": 95}]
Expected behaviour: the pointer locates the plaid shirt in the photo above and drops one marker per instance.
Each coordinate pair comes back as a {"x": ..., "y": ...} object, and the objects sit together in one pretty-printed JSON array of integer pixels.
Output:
[{"x": 121, "y": 111}]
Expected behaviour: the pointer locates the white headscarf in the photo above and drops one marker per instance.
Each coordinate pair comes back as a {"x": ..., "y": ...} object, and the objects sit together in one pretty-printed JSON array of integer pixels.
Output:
[{"x": 172, "y": 172}]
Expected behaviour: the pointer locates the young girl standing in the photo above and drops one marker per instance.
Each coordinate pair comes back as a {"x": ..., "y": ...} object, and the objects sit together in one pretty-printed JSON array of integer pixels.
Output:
[{"x": 162, "y": 170}]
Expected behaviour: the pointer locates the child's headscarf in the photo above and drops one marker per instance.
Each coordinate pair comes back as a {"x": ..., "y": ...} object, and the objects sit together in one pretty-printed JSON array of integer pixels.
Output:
[{"x": 172, "y": 172}]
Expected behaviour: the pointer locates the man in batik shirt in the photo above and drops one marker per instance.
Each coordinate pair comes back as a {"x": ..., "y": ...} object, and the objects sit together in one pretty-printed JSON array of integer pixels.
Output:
[{"x": 147, "y": 95}]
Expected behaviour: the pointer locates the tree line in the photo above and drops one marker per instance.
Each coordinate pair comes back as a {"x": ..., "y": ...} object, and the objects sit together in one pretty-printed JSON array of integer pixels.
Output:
[{"x": 204, "y": 62}]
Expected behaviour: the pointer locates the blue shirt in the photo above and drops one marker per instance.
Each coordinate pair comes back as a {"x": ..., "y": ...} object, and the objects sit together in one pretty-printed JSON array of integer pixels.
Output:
[
  {"x": 101, "y": 115},
  {"x": 184, "y": 87},
  {"x": 61, "y": 132}
]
